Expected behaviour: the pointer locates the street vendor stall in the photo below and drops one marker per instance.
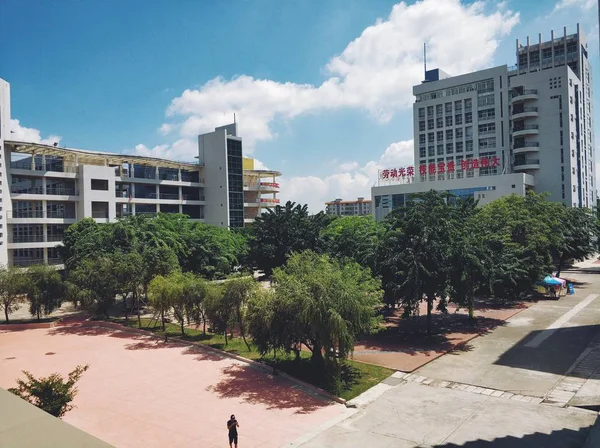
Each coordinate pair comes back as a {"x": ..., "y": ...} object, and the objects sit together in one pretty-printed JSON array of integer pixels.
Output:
[{"x": 553, "y": 287}]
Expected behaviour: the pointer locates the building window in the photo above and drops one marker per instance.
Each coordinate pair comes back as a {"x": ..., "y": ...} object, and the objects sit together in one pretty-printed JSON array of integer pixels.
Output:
[
  {"x": 439, "y": 122},
  {"x": 100, "y": 184},
  {"x": 440, "y": 136},
  {"x": 469, "y": 145},
  {"x": 458, "y": 119},
  {"x": 421, "y": 126},
  {"x": 489, "y": 128},
  {"x": 429, "y": 111},
  {"x": 430, "y": 151},
  {"x": 430, "y": 124},
  {"x": 449, "y": 120},
  {"x": 440, "y": 149},
  {"x": 422, "y": 152},
  {"x": 421, "y": 139},
  {"x": 468, "y": 117},
  {"x": 448, "y": 108},
  {"x": 430, "y": 137},
  {"x": 486, "y": 114},
  {"x": 486, "y": 100},
  {"x": 485, "y": 86},
  {"x": 449, "y": 148},
  {"x": 458, "y": 133},
  {"x": 421, "y": 113},
  {"x": 459, "y": 147}
]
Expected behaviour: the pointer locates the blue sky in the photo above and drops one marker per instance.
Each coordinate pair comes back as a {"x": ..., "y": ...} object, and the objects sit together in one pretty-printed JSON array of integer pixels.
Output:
[{"x": 321, "y": 89}]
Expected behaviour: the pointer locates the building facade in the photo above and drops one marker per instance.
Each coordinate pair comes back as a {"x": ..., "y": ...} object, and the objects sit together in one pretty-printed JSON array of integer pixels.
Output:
[
  {"x": 338, "y": 207},
  {"x": 535, "y": 118},
  {"x": 46, "y": 188}
]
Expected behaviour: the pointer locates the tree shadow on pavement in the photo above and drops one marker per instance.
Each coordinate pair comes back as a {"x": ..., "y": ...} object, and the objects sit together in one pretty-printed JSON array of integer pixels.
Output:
[
  {"x": 255, "y": 386},
  {"x": 563, "y": 438}
]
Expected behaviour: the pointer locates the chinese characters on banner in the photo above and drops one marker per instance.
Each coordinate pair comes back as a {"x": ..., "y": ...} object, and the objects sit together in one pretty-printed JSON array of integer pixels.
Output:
[{"x": 440, "y": 167}]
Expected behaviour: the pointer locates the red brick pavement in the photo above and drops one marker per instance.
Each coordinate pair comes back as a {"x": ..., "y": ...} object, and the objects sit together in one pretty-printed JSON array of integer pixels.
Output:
[
  {"x": 405, "y": 346},
  {"x": 139, "y": 391}
]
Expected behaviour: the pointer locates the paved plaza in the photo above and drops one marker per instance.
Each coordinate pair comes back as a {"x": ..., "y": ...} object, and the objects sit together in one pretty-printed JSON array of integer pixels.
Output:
[
  {"x": 141, "y": 392},
  {"x": 510, "y": 388}
]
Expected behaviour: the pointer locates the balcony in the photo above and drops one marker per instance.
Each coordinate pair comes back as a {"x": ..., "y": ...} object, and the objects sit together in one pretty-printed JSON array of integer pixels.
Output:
[
  {"x": 523, "y": 95},
  {"x": 27, "y": 239},
  {"x": 530, "y": 129},
  {"x": 525, "y": 165},
  {"x": 25, "y": 214},
  {"x": 261, "y": 186},
  {"x": 56, "y": 168},
  {"x": 522, "y": 147},
  {"x": 61, "y": 214},
  {"x": 524, "y": 112},
  {"x": 62, "y": 191},
  {"x": 15, "y": 189},
  {"x": 24, "y": 262}
]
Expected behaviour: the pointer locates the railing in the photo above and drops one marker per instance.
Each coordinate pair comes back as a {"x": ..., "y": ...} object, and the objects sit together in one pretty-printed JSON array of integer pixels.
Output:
[
  {"x": 192, "y": 197},
  {"x": 488, "y": 132},
  {"x": 526, "y": 145},
  {"x": 168, "y": 196},
  {"x": 55, "y": 260},
  {"x": 524, "y": 92},
  {"x": 168, "y": 177},
  {"x": 269, "y": 201},
  {"x": 61, "y": 215},
  {"x": 525, "y": 109},
  {"x": 26, "y": 190},
  {"x": 27, "y": 239},
  {"x": 269, "y": 184},
  {"x": 526, "y": 128},
  {"x": 27, "y": 261},
  {"x": 528, "y": 162},
  {"x": 61, "y": 191},
  {"x": 54, "y": 238},
  {"x": 25, "y": 214},
  {"x": 22, "y": 165}
]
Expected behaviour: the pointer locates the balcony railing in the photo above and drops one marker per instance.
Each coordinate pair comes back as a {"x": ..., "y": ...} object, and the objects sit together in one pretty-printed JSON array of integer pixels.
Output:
[
  {"x": 26, "y": 165},
  {"x": 54, "y": 238},
  {"x": 25, "y": 214},
  {"x": 27, "y": 261},
  {"x": 26, "y": 190},
  {"x": 269, "y": 201},
  {"x": 169, "y": 196},
  {"x": 55, "y": 260},
  {"x": 527, "y": 162},
  {"x": 192, "y": 197},
  {"x": 60, "y": 214},
  {"x": 62, "y": 191},
  {"x": 524, "y": 92},
  {"x": 526, "y": 128},
  {"x": 526, "y": 145},
  {"x": 27, "y": 238},
  {"x": 524, "y": 109}
]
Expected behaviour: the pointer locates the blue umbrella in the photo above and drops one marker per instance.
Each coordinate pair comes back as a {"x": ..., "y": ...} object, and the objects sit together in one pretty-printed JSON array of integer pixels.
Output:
[{"x": 552, "y": 281}]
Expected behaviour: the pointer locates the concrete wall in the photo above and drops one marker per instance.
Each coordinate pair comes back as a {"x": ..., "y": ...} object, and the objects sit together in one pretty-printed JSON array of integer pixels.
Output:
[
  {"x": 87, "y": 195},
  {"x": 213, "y": 155}
]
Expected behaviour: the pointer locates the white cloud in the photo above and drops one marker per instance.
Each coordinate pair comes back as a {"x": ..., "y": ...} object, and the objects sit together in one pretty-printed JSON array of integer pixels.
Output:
[
  {"x": 375, "y": 72},
  {"x": 583, "y": 4},
  {"x": 166, "y": 128},
  {"x": 355, "y": 182},
  {"x": 23, "y": 134},
  {"x": 182, "y": 150},
  {"x": 258, "y": 165},
  {"x": 348, "y": 166}
]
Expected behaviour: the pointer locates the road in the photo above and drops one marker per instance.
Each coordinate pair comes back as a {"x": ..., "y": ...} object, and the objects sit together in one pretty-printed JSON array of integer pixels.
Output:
[{"x": 509, "y": 388}]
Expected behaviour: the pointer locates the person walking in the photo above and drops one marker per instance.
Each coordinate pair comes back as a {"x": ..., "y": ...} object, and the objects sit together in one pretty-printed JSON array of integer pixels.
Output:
[{"x": 232, "y": 426}]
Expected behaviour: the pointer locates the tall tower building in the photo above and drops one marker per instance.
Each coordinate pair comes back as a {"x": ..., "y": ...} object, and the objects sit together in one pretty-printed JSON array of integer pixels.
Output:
[{"x": 551, "y": 117}]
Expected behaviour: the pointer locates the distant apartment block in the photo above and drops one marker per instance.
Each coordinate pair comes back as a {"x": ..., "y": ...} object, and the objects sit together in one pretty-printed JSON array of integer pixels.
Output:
[
  {"x": 339, "y": 207},
  {"x": 45, "y": 188}
]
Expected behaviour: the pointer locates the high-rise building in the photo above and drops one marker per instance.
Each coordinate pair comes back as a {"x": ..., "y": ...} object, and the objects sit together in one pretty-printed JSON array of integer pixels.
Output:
[
  {"x": 532, "y": 122},
  {"x": 45, "y": 188},
  {"x": 339, "y": 207}
]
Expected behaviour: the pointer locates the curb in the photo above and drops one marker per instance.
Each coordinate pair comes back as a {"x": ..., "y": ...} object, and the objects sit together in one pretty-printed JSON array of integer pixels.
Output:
[{"x": 266, "y": 368}]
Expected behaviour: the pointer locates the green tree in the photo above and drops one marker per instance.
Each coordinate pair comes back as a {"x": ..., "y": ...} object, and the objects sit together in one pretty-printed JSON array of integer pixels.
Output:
[
  {"x": 12, "y": 287},
  {"x": 159, "y": 260},
  {"x": 163, "y": 292},
  {"x": 578, "y": 235},
  {"x": 353, "y": 237},
  {"x": 95, "y": 284},
  {"x": 196, "y": 290},
  {"x": 44, "y": 290},
  {"x": 520, "y": 235},
  {"x": 128, "y": 272},
  {"x": 236, "y": 294},
  {"x": 416, "y": 252},
  {"x": 336, "y": 302},
  {"x": 52, "y": 393},
  {"x": 219, "y": 311},
  {"x": 280, "y": 231}
]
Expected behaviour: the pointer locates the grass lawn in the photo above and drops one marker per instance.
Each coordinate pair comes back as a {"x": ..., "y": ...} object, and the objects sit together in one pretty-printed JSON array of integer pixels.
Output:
[
  {"x": 356, "y": 377},
  {"x": 31, "y": 320}
]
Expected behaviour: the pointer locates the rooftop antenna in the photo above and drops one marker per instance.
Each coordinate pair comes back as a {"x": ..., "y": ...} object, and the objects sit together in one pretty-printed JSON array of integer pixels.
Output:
[
  {"x": 425, "y": 59},
  {"x": 234, "y": 118}
]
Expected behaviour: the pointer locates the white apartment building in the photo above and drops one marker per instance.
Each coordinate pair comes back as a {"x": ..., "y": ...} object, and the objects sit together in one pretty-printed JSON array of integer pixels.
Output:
[
  {"x": 45, "y": 188},
  {"x": 535, "y": 119},
  {"x": 338, "y": 207}
]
